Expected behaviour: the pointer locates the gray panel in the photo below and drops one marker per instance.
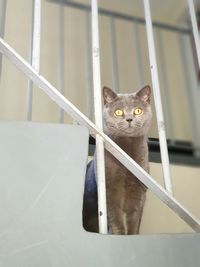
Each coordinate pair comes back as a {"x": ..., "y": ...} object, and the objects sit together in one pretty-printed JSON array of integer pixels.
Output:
[{"x": 42, "y": 169}]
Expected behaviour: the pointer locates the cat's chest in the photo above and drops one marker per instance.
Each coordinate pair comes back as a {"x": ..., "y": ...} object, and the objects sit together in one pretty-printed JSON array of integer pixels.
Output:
[
  {"x": 114, "y": 167},
  {"x": 137, "y": 150}
]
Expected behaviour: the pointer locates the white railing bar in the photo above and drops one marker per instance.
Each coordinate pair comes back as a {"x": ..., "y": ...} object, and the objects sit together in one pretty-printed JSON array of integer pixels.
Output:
[
  {"x": 35, "y": 51},
  {"x": 191, "y": 85},
  {"x": 101, "y": 182},
  {"x": 110, "y": 145},
  {"x": 138, "y": 55},
  {"x": 157, "y": 98},
  {"x": 165, "y": 85},
  {"x": 61, "y": 64},
  {"x": 36, "y": 35},
  {"x": 2, "y": 16},
  {"x": 89, "y": 77},
  {"x": 115, "y": 73},
  {"x": 195, "y": 29},
  {"x": 2, "y": 25}
]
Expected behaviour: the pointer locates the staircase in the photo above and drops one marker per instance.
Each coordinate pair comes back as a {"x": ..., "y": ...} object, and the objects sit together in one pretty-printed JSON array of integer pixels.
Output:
[
  {"x": 41, "y": 181},
  {"x": 41, "y": 184}
]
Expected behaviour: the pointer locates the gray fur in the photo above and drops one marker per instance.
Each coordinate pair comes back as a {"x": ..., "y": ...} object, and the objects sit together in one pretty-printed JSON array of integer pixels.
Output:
[{"x": 125, "y": 193}]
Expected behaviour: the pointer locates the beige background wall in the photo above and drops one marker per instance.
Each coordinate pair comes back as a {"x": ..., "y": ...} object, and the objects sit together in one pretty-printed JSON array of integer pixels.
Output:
[
  {"x": 157, "y": 217},
  {"x": 13, "y": 86}
]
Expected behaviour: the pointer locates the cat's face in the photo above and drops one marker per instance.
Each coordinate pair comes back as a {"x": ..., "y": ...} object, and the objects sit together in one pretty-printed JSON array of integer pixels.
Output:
[{"x": 127, "y": 115}]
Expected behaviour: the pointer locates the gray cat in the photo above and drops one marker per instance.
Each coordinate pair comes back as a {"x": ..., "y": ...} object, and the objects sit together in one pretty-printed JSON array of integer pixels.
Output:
[{"x": 126, "y": 119}]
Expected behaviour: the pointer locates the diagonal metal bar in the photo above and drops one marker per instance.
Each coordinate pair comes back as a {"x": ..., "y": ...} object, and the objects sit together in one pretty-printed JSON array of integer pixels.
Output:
[{"x": 111, "y": 146}]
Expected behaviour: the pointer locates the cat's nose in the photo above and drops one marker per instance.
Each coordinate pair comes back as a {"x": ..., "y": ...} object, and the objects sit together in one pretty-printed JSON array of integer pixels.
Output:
[{"x": 129, "y": 120}]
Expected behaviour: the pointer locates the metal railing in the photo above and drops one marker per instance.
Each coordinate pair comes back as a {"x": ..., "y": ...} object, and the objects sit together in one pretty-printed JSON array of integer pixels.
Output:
[
  {"x": 160, "y": 29},
  {"x": 101, "y": 182},
  {"x": 2, "y": 25},
  {"x": 35, "y": 51},
  {"x": 96, "y": 130},
  {"x": 157, "y": 98},
  {"x": 194, "y": 28},
  {"x": 111, "y": 146}
]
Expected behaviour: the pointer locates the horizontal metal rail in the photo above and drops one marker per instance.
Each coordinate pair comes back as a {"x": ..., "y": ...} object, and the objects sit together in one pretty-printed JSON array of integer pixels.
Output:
[
  {"x": 111, "y": 146},
  {"x": 118, "y": 15}
]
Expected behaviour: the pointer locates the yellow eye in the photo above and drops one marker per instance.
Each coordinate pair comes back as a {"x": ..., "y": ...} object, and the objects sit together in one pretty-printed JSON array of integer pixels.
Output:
[
  {"x": 119, "y": 112},
  {"x": 138, "y": 111}
]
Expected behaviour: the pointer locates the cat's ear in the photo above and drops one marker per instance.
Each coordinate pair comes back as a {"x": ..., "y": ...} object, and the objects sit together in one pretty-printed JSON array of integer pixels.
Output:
[
  {"x": 108, "y": 95},
  {"x": 144, "y": 94}
]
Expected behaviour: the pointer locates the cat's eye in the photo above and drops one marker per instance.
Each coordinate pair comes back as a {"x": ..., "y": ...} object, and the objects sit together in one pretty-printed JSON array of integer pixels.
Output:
[
  {"x": 119, "y": 112},
  {"x": 138, "y": 111}
]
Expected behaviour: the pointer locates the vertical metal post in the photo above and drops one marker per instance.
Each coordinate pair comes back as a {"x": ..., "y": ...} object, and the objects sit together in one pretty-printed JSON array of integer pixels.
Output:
[
  {"x": 194, "y": 28},
  {"x": 89, "y": 77},
  {"x": 61, "y": 56},
  {"x": 157, "y": 98},
  {"x": 102, "y": 210},
  {"x": 2, "y": 25},
  {"x": 166, "y": 98},
  {"x": 35, "y": 51},
  {"x": 115, "y": 72},
  {"x": 138, "y": 56},
  {"x": 2, "y": 17},
  {"x": 190, "y": 90}
]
